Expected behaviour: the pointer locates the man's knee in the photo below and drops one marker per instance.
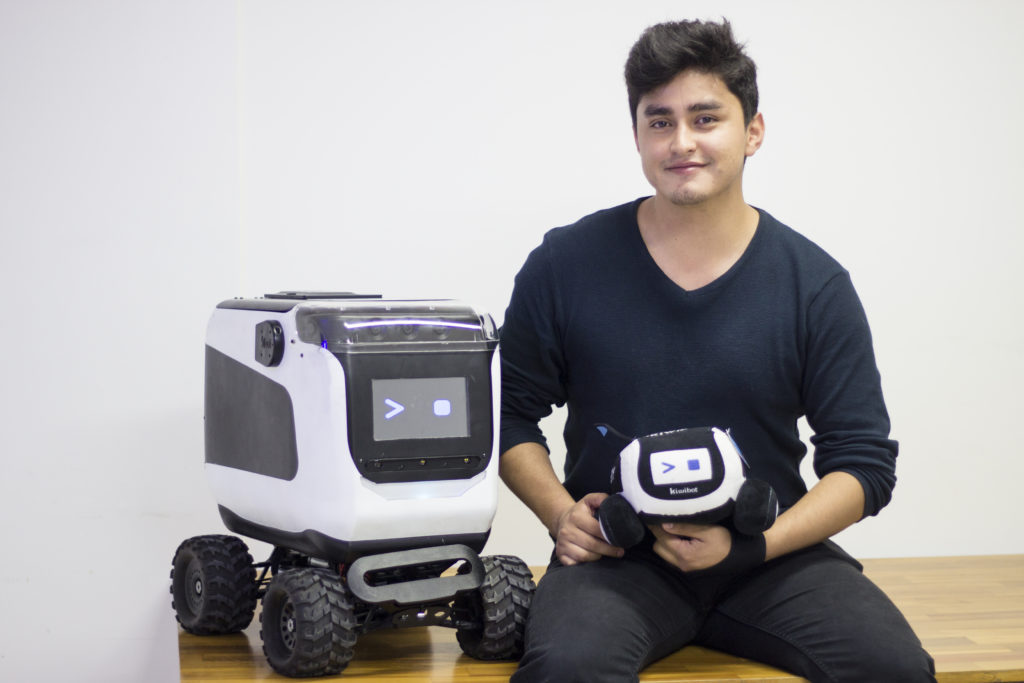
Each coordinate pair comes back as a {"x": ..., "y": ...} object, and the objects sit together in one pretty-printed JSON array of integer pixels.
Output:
[
  {"x": 603, "y": 620},
  {"x": 907, "y": 665},
  {"x": 573, "y": 662}
]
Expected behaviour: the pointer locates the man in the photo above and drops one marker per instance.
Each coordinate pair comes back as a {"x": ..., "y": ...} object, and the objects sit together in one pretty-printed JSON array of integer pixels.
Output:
[{"x": 690, "y": 308}]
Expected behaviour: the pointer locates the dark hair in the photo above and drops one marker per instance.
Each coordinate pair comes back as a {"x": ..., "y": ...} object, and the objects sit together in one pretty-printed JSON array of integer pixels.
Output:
[{"x": 666, "y": 50}]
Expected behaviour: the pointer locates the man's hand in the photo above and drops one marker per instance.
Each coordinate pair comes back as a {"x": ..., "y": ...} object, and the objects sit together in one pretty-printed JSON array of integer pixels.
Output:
[
  {"x": 526, "y": 470},
  {"x": 691, "y": 547},
  {"x": 578, "y": 535}
]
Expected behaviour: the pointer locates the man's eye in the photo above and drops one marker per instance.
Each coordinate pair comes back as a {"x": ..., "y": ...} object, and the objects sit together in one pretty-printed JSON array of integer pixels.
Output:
[
  {"x": 705, "y": 120},
  {"x": 659, "y": 124}
]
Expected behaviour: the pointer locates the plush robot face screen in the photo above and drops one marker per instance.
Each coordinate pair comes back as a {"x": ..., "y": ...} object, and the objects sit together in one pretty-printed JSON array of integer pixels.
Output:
[
  {"x": 421, "y": 408},
  {"x": 685, "y": 466}
]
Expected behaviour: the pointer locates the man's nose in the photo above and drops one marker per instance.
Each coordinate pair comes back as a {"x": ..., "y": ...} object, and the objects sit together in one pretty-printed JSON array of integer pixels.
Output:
[{"x": 684, "y": 141}]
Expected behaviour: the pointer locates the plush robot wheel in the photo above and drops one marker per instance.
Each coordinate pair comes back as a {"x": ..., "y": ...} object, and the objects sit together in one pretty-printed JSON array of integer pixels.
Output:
[
  {"x": 695, "y": 475},
  {"x": 620, "y": 524}
]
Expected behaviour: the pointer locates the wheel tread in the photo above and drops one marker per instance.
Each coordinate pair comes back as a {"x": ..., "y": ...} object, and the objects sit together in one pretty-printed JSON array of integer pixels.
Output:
[
  {"x": 326, "y": 623},
  {"x": 229, "y": 585},
  {"x": 504, "y": 601}
]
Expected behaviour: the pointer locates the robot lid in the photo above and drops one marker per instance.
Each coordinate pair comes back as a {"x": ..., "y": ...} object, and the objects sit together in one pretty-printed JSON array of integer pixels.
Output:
[{"x": 352, "y": 323}]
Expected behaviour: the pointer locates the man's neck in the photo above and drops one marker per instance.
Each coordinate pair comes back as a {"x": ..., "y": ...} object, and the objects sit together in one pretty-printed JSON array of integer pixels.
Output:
[{"x": 695, "y": 245}]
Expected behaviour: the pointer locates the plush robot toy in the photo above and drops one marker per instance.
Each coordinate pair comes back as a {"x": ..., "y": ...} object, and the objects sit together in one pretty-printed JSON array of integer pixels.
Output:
[{"x": 693, "y": 475}]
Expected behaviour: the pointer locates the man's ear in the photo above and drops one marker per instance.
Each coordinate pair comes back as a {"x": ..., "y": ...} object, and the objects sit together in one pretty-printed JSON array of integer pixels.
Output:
[{"x": 755, "y": 134}]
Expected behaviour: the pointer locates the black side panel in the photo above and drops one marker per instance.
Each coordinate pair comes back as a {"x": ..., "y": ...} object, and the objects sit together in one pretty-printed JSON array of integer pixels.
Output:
[
  {"x": 324, "y": 547},
  {"x": 249, "y": 420}
]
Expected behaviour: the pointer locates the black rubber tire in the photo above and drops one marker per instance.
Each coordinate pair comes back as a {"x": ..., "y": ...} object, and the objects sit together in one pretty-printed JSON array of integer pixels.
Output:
[
  {"x": 499, "y": 608},
  {"x": 213, "y": 585},
  {"x": 307, "y": 624}
]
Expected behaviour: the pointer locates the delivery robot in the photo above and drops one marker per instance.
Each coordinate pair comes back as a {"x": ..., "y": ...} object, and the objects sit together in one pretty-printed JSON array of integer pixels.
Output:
[{"x": 358, "y": 437}]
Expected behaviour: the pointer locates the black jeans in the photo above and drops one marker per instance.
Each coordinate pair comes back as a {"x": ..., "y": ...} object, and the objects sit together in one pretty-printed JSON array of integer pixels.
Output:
[{"x": 812, "y": 613}]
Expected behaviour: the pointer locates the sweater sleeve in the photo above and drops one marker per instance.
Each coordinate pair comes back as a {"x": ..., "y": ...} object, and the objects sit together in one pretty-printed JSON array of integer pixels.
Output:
[
  {"x": 532, "y": 362},
  {"x": 843, "y": 395}
]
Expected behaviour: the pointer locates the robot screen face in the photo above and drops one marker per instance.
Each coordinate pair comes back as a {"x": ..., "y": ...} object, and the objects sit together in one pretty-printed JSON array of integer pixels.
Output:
[
  {"x": 420, "y": 408},
  {"x": 684, "y": 466}
]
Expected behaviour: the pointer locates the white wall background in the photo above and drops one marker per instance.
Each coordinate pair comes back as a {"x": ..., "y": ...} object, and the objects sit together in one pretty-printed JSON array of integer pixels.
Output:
[{"x": 158, "y": 156}]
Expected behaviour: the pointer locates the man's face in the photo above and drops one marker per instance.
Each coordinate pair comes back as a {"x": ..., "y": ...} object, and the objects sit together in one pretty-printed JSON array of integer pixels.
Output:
[{"x": 692, "y": 139}]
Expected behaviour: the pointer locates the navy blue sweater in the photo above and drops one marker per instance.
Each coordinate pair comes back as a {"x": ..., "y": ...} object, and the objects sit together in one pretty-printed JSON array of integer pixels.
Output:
[{"x": 594, "y": 323}]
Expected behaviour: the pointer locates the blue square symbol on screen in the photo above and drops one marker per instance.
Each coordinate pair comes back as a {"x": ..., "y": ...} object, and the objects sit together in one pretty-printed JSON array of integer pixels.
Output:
[{"x": 693, "y": 465}]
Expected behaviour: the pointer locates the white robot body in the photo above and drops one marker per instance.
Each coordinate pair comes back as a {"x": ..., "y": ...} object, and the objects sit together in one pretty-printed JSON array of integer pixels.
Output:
[{"x": 341, "y": 426}]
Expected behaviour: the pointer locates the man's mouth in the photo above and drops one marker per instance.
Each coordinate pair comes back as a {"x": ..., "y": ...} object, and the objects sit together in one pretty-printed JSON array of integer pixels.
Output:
[{"x": 684, "y": 166}]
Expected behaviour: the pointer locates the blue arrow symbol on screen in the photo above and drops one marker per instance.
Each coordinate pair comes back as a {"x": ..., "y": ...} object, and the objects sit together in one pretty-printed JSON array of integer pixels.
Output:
[
  {"x": 395, "y": 406},
  {"x": 668, "y": 467}
]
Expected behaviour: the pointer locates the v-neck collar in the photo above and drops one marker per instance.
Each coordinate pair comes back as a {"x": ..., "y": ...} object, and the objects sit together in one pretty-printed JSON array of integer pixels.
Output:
[{"x": 716, "y": 284}]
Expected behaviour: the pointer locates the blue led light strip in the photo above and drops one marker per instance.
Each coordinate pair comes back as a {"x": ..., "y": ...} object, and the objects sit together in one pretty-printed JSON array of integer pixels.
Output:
[{"x": 409, "y": 321}]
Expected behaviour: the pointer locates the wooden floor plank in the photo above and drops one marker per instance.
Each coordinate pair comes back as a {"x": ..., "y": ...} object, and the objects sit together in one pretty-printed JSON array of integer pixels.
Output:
[{"x": 968, "y": 612}]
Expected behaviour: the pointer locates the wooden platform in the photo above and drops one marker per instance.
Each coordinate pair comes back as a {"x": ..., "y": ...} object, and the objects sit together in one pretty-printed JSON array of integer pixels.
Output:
[{"x": 968, "y": 611}]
